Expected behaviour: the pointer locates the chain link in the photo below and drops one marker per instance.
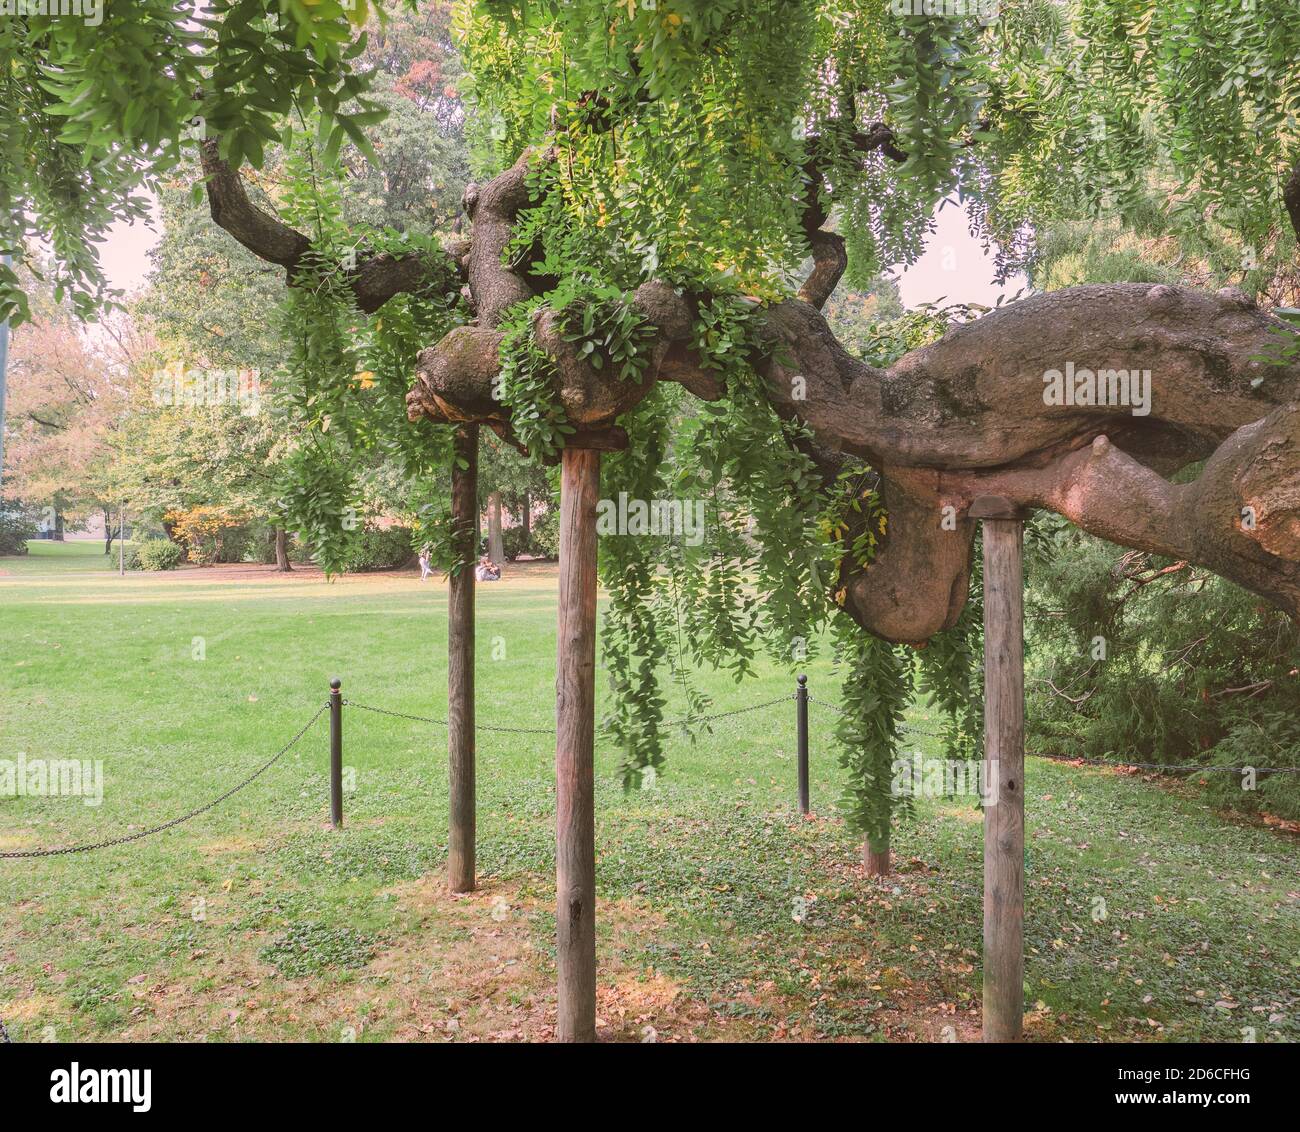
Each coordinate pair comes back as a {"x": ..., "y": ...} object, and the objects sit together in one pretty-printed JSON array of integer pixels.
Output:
[
  {"x": 174, "y": 821},
  {"x": 686, "y": 719},
  {"x": 4, "y": 1034},
  {"x": 444, "y": 723}
]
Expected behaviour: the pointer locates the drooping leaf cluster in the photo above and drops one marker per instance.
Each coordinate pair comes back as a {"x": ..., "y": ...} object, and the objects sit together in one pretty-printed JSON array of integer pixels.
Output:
[{"x": 347, "y": 374}]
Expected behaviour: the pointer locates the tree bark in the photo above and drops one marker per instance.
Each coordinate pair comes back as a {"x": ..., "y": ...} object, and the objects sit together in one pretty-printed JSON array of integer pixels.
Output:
[
  {"x": 282, "y": 551},
  {"x": 875, "y": 857},
  {"x": 526, "y": 520},
  {"x": 460, "y": 664},
  {"x": 575, "y": 707},
  {"x": 1004, "y": 751},
  {"x": 968, "y": 416},
  {"x": 496, "y": 549}
]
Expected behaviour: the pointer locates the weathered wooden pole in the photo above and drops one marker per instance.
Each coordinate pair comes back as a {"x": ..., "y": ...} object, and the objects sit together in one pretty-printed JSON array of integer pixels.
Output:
[
  {"x": 1004, "y": 753},
  {"x": 801, "y": 738},
  {"x": 336, "y": 753},
  {"x": 575, "y": 726},
  {"x": 460, "y": 662}
]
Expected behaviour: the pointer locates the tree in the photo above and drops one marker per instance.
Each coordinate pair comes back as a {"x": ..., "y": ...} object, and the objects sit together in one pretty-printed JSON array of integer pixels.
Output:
[
  {"x": 888, "y": 117},
  {"x": 852, "y": 113},
  {"x": 67, "y": 394},
  {"x": 654, "y": 177},
  {"x": 518, "y": 485}
]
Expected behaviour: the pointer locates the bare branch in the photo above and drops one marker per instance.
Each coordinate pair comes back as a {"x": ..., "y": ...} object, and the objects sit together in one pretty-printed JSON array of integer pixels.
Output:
[
  {"x": 373, "y": 281},
  {"x": 829, "y": 257}
]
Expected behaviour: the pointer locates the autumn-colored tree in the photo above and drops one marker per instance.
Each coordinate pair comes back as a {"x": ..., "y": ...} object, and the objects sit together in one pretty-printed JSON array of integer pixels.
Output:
[{"x": 66, "y": 397}]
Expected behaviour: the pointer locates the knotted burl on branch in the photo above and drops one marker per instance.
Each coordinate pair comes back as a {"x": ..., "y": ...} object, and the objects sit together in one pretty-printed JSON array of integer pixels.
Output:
[{"x": 969, "y": 415}]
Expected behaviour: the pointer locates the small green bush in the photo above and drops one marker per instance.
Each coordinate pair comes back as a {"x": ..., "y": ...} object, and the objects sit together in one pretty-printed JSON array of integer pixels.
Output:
[
  {"x": 514, "y": 544},
  {"x": 156, "y": 554},
  {"x": 17, "y": 525},
  {"x": 546, "y": 534},
  {"x": 542, "y": 540},
  {"x": 377, "y": 548}
]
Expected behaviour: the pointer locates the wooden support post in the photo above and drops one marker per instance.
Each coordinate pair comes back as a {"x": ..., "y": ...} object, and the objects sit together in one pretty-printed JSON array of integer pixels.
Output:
[
  {"x": 1004, "y": 753},
  {"x": 336, "y": 753},
  {"x": 876, "y": 857},
  {"x": 801, "y": 738},
  {"x": 575, "y": 725},
  {"x": 460, "y": 663}
]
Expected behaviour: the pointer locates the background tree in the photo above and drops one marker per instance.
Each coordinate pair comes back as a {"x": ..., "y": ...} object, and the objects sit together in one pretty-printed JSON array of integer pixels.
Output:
[
  {"x": 66, "y": 395},
  {"x": 519, "y": 485}
]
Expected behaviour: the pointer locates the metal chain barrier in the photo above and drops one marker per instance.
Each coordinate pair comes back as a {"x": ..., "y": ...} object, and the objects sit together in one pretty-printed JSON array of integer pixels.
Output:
[
  {"x": 174, "y": 821},
  {"x": 686, "y": 719},
  {"x": 727, "y": 714},
  {"x": 443, "y": 722}
]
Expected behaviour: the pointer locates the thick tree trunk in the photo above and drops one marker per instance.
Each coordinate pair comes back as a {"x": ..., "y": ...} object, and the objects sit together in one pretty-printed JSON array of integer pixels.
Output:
[
  {"x": 526, "y": 519},
  {"x": 875, "y": 857},
  {"x": 496, "y": 549},
  {"x": 282, "y": 551},
  {"x": 1004, "y": 750},
  {"x": 460, "y": 664},
  {"x": 575, "y": 718}
]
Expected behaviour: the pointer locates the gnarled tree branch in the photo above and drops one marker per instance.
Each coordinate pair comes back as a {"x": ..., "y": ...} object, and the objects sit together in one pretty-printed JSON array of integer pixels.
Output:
[
  {"x": 1291, "y": 198},
  {"x": 374, "y": 280},
  {"x": 967, "y": 416},
  {"x": 830, "y": 260}
]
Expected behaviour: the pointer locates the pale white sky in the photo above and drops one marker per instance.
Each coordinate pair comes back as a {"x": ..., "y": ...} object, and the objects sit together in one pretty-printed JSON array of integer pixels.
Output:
[
  {"x": 953, "y": 267},
  {"x": 125, "y": 252}
]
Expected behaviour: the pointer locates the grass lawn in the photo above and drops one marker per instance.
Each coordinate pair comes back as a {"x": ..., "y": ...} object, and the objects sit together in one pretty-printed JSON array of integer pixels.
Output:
[
  {"x": 46, "y": 557},
  {"x": 723, "y": 914}
]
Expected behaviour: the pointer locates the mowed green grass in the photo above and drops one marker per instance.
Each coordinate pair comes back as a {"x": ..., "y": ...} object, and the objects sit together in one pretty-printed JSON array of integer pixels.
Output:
[
  {"x": 723, "y": 913},
  {"x": 45, "y": 558}
]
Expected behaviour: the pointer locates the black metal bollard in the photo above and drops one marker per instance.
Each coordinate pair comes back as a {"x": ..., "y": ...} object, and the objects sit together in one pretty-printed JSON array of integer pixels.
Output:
[
  {"x": 336, "y": 753},
  {"x": 801, "y": 723}
]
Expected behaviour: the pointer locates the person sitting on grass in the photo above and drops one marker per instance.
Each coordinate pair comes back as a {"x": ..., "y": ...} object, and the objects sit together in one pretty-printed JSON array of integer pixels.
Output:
[{"x": 487, "y": 570}]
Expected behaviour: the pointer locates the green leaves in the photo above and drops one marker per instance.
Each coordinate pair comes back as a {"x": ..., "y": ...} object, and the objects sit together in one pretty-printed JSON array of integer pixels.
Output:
[
  {"x": 877, "y": 689},
  {"x": 609, "y": 329},
  {"x": 91, "y": 113},
  {"x": 528, "y": 385}
]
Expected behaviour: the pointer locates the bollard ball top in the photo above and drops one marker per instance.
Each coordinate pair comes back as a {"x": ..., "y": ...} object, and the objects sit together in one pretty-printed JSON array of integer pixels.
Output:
[
  {"x": 336, "y": 683},
  {"x": 802, "y": 679}
]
